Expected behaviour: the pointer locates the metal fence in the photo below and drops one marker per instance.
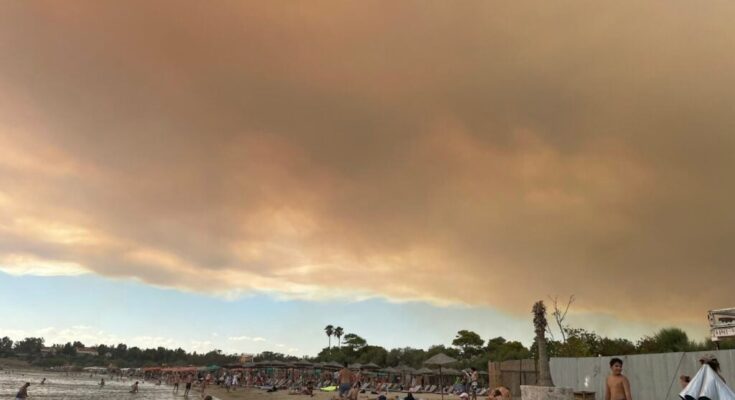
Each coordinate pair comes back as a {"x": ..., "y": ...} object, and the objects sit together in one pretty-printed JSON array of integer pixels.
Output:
[{"x": 652, "y": 376}]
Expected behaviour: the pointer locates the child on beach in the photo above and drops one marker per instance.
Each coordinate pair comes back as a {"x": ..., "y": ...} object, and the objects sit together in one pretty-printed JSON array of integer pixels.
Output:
[{"x": 617, "y": 386}]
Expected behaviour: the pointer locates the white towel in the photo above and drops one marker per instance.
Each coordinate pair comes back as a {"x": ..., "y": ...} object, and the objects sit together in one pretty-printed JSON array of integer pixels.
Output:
[{"x": 707, "y": 385}]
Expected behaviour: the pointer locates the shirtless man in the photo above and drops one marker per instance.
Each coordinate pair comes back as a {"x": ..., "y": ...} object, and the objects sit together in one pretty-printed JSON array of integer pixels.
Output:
[
  {"x": 617, "y": 387},
  {"x": 345, "y": 381},
  {"x": 474, "y": 376}
]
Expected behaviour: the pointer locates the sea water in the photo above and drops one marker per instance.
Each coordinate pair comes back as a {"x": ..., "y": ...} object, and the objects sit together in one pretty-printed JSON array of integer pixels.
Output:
[{"x": 60, "y": 386}]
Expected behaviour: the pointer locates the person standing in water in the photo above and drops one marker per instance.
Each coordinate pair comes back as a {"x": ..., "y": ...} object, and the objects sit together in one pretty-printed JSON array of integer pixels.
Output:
[
  {"x": 617, "y": 386},
  {"x": 102, "y": 382},
  {"x": 43, "y": 381},
  {"x": 188, "y": 385},
  {"x": 134, "y": 388},
  {"x": 23, "y": 392}
]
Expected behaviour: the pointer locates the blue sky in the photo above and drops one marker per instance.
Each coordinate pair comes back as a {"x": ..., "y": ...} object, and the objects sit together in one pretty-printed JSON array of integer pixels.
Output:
[
  {"x": 146, "y": 315},
  {"x": 101, "y": 310}
]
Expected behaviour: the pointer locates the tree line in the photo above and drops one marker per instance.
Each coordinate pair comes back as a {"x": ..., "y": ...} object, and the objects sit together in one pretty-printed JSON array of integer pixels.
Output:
[{"x": 467, "y": 346}]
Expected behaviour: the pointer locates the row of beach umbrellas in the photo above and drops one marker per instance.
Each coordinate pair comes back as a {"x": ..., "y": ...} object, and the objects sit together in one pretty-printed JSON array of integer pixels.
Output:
[
  {"x": 333, "y": 365},
  {"x": 440, "y": 360}
]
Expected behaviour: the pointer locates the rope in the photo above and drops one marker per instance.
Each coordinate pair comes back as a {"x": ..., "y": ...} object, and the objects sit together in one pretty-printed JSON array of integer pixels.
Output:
[{"x": 674, "y": 379}]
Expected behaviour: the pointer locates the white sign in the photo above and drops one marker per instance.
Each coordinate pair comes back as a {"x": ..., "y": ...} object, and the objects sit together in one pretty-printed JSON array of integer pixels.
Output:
[
  {"x": 722, "y": 323},
  {"x": 720, "y": 333}
]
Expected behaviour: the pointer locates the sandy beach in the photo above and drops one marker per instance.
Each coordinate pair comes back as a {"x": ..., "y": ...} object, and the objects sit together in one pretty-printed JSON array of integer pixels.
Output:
[{"x": 257, "y": 394}]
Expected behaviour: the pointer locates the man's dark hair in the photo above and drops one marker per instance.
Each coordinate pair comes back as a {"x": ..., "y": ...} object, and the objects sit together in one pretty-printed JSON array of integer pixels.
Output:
[
  {"x": 616, "y": 361},
  {"x": 473, "y": 368}
]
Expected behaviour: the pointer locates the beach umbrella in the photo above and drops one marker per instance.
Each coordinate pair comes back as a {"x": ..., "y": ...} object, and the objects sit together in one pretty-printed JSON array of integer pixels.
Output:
[
  {"x": 303, "y": 364},
  {"x": 277, "y": 364},
  {"x": 425, "y": 371},
  {"x": 354, "y": 366},
  {"x": 370, "y": 366},
  {"x": 451, "y": 372},
  {"x": 440, "y": 360},
  {"x": 332, "y": 365}
]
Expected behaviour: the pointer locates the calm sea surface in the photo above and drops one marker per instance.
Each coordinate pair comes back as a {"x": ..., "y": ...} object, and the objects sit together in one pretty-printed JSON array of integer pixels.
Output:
[{"x": 59, "y": 386}]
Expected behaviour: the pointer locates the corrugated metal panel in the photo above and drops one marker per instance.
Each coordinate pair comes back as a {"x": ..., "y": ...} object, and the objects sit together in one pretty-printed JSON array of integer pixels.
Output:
[{"x": 652, "y": 376}]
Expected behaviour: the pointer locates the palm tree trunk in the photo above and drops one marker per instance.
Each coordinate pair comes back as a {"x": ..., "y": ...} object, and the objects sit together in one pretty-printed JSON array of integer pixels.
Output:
[
  {"x": 540, "y": 324},
  {"x": 544, "y": 373}
]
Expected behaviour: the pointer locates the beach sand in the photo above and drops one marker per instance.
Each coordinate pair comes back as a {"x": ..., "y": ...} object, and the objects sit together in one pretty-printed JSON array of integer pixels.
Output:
[{"x": 257, "y": 394}]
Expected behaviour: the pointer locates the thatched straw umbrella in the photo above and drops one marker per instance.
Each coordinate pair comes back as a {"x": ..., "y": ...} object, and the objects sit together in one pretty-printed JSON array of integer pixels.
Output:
[{"x": 440, "y": 360}]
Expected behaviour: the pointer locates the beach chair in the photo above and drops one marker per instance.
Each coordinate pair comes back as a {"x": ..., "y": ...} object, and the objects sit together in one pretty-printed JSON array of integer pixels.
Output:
[
  {"x": 431, "y": 389},
  {"x": 482, "y": 392}
]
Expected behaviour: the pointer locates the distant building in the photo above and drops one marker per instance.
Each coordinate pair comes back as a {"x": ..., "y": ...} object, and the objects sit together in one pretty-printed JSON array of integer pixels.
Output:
[{"x": 87, "y": 351}]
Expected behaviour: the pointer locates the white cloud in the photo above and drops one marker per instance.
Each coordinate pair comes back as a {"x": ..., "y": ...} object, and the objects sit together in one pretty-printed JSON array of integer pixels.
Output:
[
  {"x": 18, "y": 264},
  {"x": 248, "y": 338}
]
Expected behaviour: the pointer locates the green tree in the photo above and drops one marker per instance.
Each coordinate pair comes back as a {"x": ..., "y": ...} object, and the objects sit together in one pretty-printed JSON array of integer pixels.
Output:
[
  {"x": 30, "y": 346},
  {"x": 338, "y": 332},
  {"x": 68, "y": 350},
  {"x": 354, "y": 341},
  {"x": 470, "y": 343},
  {"x": 329, "y": 330},
  {"x": 372, "y": 354},
  {"x": 579, "y": 343},
  {"x": 616, "y": 347},
  {"x": 499, "y": 349},
  {"x": 664, "y": 341},
  {"x": 6, "y": 346}
]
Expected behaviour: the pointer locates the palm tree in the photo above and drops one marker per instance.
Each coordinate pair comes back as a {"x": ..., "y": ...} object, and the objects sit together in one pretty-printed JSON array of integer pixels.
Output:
[
  {"x": 540, "y": 324},
  {"x": 329, "y": 330},
  {"x": 338, "y": 333}
]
